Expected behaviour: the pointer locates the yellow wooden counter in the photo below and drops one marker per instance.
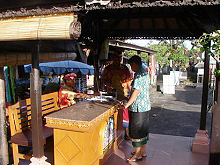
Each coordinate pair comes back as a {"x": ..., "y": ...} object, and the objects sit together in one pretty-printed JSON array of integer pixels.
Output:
[{"x": 86, "y": 133}]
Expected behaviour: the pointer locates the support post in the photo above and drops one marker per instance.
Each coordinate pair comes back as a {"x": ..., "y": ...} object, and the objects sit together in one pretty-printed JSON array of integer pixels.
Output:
[
  {"x": 3, "y": 130},
  {"x": 96, "y": 74},
  {"x": 214, "y": 158},
  {"x": 201, "y": 140},
  {"x": 98, "y": 40},
  {"x": 36, "y": 110},
  {"x": 205, "y": 93}
]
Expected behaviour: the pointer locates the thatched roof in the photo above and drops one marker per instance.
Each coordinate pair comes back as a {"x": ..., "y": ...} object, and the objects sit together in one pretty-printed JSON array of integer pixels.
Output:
[
  {"x": 125, "y": 19},
  {"x": 18, "y": 8}
]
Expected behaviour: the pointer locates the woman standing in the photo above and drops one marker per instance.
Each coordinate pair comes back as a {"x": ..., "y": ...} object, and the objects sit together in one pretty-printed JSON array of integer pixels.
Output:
[{"x": 139, "y": 107}]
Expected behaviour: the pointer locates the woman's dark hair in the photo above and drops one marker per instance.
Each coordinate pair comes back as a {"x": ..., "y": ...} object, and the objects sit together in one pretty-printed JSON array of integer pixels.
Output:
[{"x": 135, "y": 59}]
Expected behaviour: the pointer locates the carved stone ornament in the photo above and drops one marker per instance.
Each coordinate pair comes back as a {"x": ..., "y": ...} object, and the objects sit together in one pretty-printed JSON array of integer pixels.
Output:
[{"x": 75, "y": 30}]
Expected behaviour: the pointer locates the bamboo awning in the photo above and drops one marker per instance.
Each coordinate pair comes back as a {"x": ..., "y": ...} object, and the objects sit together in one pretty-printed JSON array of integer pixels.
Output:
[
  {"x": 44, "y": 27},
  {"x": 12, "y": 59}
]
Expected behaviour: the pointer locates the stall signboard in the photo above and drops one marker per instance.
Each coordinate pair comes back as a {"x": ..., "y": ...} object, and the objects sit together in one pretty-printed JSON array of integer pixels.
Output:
[{"x": 109, "y": 134}]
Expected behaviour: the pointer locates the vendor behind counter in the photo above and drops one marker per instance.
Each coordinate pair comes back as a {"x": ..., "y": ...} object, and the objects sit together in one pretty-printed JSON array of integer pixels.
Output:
[
  {"x": 67, "y": 92},
  {"x": 116, "y": 76}
]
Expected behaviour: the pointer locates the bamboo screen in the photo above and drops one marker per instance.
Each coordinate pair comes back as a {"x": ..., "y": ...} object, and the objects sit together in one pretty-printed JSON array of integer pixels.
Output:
[
  {"x": 12, "y": 59},
  {"x": 57, "y": 26}
]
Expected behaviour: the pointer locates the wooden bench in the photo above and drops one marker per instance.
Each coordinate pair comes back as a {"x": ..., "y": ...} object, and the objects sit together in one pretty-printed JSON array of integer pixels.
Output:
[{"x": 20, "y": 123}]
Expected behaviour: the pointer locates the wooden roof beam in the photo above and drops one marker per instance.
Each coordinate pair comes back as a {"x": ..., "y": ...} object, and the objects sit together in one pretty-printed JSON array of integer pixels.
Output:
[
  {"x": 142, "y": 15},
  {"x": 165, "y": 21},
  {"x": 191, "y": 33}
]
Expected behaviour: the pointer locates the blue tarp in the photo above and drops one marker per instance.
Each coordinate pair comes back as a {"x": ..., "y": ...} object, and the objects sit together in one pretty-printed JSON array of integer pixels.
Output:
[{"x": 60, "y": 67}]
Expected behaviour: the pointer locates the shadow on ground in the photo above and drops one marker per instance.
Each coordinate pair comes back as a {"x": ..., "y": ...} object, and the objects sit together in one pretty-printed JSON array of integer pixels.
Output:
[
  {"x": 176, "y": 123},
  {"x": 178, "y": 114}
]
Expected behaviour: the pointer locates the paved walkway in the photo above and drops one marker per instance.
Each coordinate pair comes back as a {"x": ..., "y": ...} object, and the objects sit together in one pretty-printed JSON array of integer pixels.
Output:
[
  {"x": 174, "y": 120},
  {"x": 161, "y": 150},
  {"x": 177, "y": 114}
]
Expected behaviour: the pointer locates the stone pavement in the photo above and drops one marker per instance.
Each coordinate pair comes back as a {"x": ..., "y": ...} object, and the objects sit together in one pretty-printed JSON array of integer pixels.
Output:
[
  {"x": 174, "y": 120},
  {"x": 177, "y": 114},
  {"x": 161, "y": 150}
]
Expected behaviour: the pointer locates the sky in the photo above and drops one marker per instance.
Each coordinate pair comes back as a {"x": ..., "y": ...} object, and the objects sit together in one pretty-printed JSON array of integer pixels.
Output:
[{"x": 145, "y": 43}]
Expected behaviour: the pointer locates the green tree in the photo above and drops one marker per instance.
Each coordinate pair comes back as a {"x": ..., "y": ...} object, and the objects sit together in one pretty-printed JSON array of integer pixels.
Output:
[
  {"x": 171, "y": 50},
  {"x": 161, "y": 54},
  {"x": 214, "y": 48},
  {"x": 214, "y": 38},
  {"x": 131, "y": 53},
  {"x": 194, "y": 55},
  {"x": 144, "y": 57}
]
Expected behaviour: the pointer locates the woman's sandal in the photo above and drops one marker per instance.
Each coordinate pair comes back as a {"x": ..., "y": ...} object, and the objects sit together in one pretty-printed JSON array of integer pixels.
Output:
[
  {"x": 133, "y": 153},
  {"x": 131, "y": 159}
]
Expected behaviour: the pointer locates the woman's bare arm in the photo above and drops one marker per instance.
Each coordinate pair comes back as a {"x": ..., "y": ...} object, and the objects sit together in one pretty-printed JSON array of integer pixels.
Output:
[{"x": 132, "y": 98}]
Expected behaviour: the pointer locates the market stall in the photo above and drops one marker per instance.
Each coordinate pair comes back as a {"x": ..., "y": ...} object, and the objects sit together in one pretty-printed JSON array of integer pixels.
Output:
[{"x": 86, "y": 133}]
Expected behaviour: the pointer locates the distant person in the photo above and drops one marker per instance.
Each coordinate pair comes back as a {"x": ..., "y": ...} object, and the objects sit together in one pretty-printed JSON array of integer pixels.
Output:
[{"x": 138, "y": 107}]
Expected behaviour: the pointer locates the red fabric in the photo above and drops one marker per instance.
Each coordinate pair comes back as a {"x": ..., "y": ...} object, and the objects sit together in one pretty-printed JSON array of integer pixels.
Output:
[
  {"x": 125, "y": 114},
  {"x": 115, "y": 76},
  {"x": 110, "y": 71},
  {"x": 70, "y": 76},
  {"x": 63, "y": 99}
]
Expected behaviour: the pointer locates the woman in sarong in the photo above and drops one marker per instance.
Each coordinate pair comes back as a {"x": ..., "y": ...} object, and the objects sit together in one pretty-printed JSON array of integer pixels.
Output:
[{"x": 139, "y": 107}]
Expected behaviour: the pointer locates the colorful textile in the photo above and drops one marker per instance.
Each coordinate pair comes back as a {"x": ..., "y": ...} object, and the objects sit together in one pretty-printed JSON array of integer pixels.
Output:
[
  {"x": 66, "y": 96},
  {"x": 125, "y": 118},
  {"x": 70, "y": 76},
  {"x": 138, "y": 128},
  {"x": 141, "y": 82},
  {"x": 125, "y": 115},
  {"x": 7, "y": 85},
  {"x": 141, "y": 143},
  {"x": 117, "y": 75},
  {"x": 12, "y": 83},
  {"x": 125, "y": 124}
]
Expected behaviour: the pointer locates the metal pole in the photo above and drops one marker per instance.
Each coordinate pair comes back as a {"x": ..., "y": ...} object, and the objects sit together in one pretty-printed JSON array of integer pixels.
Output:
[
  {"x": 3, "y": 131},
  {"x": 205, "y": 92},
  {"x": 36, "y": 110}
]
